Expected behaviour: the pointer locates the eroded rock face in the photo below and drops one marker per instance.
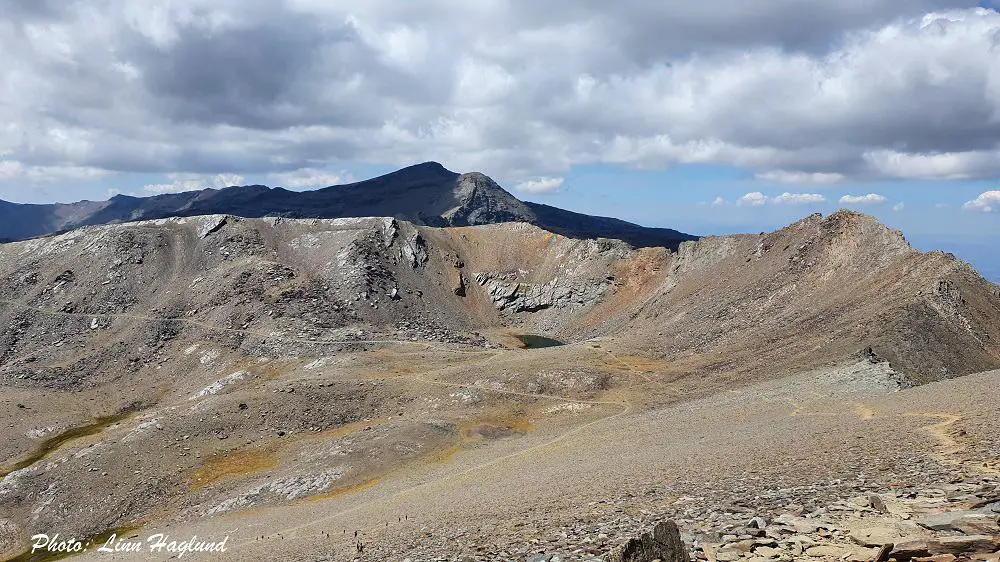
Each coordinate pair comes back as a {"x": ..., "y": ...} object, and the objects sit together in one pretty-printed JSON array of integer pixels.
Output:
[
  {"x": 663, "y": 544},
  {"x": 211, "y": 224},
  {"x": 516, "y": 296}
]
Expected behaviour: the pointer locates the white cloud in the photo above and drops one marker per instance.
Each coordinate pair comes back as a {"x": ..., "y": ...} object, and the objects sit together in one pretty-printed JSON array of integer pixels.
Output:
[
  {"x": 306, "y": 178},
  {"x": 10, "y": 170},
  {"x": 758, "y": 199},
  {"x": 899, "y": 206},
  {"x": 205, "y": 86},
  {"x": 16, "y": 171},
  {"x": 800, "y": 178},
  {"x": 180, "y": 183},
  {"x": 539, "y": 185},
  {"x": 937, "y": 166},
  {"x": 988, "y": 202},
  {"x": 719, "y": 201},
  {"x": 227, "y": 180},
  {"x": 754, "y": 199},
  {"x": 798, "y": 198},
  {"x": 870, "y": 199}
]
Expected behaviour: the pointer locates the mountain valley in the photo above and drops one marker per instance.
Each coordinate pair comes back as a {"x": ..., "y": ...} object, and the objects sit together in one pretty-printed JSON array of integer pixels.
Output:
[{"x": 289, "y": 382}]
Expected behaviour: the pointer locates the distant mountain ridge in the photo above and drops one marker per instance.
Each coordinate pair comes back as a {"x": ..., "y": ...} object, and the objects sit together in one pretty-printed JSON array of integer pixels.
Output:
[{"x": 427, "y": 194}]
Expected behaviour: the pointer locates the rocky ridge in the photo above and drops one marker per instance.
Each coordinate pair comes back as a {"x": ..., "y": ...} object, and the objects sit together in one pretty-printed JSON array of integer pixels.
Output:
[
  {"x": 424, "y": 194},
  {"x": 216, "y": 365}
]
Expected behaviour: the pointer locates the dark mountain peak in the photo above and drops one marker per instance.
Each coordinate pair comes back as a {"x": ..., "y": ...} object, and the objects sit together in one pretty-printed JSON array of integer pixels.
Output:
[
  {"x": 428, "y": 177},
  {"x": 422, "y": 170},
  {"x": 426, "y": 193},
  {"x": 431, "y": 165}
]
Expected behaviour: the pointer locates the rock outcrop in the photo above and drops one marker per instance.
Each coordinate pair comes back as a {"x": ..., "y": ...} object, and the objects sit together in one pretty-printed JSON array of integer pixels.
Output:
[
  {"x": 662, "y": 544},
  {"x": 516, "y": 296}
]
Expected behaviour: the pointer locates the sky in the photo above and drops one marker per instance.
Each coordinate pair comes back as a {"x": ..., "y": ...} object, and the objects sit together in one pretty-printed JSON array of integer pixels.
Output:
[{"x": 710, "y": 117}]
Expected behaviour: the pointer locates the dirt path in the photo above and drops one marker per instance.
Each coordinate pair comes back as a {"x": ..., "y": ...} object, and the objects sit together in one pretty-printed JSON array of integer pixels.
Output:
[{"x": 946, "y": 445}]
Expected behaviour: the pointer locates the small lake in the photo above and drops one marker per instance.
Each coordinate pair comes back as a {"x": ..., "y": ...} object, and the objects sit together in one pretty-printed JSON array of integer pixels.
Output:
[{"x": 532, "y": 341}]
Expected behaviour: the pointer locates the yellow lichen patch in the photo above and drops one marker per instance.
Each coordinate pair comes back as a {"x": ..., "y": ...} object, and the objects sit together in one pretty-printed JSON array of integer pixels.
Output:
[
  {"x": 494, "y": 428},
  {"x": 645, "y": 364},
  {"x": 442, "y": 456},
  {"x": 275, "y": 369},
  {"x": 342, "y": 491},
  {"x": 539, "y": 244},
  {"x": 235, "y": 465},
  {"x": 636, "y": 279},
  {"x": 635, "y": 363},
  {"x": 392, "y": 363}
]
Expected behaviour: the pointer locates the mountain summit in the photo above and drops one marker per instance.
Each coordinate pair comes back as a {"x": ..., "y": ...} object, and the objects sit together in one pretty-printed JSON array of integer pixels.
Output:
[{"x": 427, "y": 194}]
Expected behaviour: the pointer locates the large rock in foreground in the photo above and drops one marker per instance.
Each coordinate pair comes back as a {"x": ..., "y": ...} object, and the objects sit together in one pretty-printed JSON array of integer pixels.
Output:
[{"x": 663, "y": 544}]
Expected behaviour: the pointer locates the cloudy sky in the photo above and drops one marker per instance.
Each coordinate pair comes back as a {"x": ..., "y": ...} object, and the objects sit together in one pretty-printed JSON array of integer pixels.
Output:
[{"x": 711, "y": 116}]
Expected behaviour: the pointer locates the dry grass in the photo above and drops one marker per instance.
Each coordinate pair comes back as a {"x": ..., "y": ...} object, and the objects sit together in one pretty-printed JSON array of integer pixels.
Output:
[
  {"x": 445, "y": 454},
  {"x": 234, "y": 465},
  {"x": 494, "y": 428}
]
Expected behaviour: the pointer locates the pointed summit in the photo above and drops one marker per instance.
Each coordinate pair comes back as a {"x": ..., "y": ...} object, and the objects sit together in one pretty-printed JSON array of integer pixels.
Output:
[
  {"x": 431, "y": 165},
  {"x": 425, "y": 193}
]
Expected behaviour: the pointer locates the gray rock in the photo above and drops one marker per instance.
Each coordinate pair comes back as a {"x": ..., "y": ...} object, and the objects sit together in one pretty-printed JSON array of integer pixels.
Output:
[
  {"x": 211, "y": 224},
  {"x": 663, "y": 544},
  {"x": 414, "y": 251},
  {"x": 515, "y": 296},
  {"x": 957, "y": 520}
]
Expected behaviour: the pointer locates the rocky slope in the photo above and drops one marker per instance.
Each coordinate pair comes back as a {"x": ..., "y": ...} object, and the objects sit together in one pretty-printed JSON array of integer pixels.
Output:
[
  {"x": 181, "y": 370},
  {"x": 426, "y": 194}
]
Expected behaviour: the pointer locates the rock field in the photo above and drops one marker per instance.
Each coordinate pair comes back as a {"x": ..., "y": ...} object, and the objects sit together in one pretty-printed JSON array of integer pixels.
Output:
[{"x": 360, "y": 389}]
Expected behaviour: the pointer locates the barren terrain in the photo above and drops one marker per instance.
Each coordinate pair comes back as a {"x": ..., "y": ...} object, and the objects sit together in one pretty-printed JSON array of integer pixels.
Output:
[{"x": 305, "y": 385}]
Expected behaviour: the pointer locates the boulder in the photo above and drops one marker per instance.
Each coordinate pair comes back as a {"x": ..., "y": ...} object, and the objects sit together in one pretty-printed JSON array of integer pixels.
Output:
[
  {"x": 961, "y": 520},
  {"x": 663, "y": 544},
  {"x": 946, "y": 545}
]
